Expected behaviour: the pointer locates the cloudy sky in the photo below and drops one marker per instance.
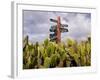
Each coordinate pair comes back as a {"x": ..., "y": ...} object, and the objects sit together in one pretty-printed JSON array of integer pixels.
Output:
[{"x": 36, "y": 24}]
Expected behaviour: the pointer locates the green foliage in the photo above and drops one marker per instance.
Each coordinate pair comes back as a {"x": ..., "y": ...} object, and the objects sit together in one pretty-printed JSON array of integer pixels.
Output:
[
  {"x": 47, "y": 62},
  {"x": 50, "y": 54}
]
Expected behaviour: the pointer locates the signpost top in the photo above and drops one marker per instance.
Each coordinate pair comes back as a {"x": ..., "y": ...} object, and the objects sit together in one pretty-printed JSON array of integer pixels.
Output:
[{"x": 63, "y": 25}]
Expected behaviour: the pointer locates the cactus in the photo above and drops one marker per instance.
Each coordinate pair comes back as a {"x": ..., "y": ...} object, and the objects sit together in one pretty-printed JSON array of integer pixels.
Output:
[
  {"x": 50, "y": 54},
  {"x": 47, "y": 62}
]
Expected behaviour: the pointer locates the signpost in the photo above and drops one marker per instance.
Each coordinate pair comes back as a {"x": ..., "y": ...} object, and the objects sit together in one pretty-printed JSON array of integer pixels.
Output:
[{"x": 57, "y": 30}]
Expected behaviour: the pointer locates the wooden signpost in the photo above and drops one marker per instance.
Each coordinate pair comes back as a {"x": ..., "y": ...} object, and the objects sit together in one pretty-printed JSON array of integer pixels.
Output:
[{"x": 57, "y": 30}]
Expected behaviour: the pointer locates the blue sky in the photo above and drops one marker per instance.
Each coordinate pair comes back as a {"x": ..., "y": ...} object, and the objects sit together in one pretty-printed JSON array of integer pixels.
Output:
[{"x": 36, "y": 24}]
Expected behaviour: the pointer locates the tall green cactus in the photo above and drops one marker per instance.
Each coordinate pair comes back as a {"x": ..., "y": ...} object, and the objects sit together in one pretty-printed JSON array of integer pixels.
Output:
[
  {"x": 47, "y": 62},
  {"x": 50, "y": 54}
]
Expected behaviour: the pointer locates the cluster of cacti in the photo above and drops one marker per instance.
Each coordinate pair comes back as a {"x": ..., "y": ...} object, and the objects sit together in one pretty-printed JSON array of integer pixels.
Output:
[{"x": 50, "y": 54}]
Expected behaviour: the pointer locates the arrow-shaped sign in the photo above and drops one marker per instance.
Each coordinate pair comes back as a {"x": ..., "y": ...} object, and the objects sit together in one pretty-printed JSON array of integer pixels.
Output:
[
  {"x": 64, "y": 25},
  {"x": 53, "y": 28},
  {"x": 52, "y": 36},
  {"x": 63, "y": 30},
  {"x": 53, "y": 20}
]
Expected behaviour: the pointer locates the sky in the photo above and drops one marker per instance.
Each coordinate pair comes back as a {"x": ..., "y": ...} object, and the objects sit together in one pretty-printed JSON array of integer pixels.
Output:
[{"x": 36, "y": 25}]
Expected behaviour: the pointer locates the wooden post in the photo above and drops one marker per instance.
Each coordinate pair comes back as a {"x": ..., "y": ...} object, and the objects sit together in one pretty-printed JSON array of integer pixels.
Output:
[{"x": 58, "y": 30}]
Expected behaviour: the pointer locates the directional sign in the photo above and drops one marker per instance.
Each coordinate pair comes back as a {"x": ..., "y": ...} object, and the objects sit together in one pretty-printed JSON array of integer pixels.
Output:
[
  {"x": 53, "y": 33},
  {"x": 53, "y": 28},
  {"x": 53, "y": 20},
  {"x": 64, "y": 25},
  {"x": 63, "y": 30},
  {"x": 52, "y": 36}
]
